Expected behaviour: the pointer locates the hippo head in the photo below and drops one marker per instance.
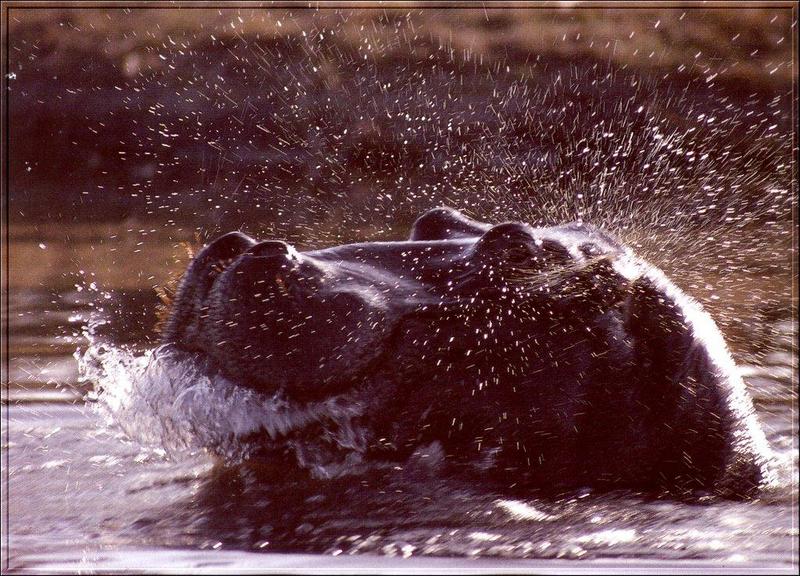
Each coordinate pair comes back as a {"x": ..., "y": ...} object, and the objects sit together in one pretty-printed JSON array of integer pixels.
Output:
[
  {"x": 317, "y": 322},
  {"x": 552, "y": 353}
]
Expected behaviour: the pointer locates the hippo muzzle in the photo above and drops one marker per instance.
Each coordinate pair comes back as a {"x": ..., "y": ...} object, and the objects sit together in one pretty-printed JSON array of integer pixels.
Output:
[{"x": 552, "y": 352}]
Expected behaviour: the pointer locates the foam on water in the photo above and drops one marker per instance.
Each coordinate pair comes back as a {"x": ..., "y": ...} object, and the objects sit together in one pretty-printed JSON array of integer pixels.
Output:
[{"x": 173, "y": 402}]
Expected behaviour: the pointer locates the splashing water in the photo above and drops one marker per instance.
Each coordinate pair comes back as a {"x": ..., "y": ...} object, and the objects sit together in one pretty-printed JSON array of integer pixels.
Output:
[
  {"x": 323, "y": 138},
  {"x": 332, "y": 133},
  {"x": 171, "y": 401},
  {"x": 345, "y": 129}
]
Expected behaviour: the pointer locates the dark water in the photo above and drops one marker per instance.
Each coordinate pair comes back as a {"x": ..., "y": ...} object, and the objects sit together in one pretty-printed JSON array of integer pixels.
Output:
[{"x": 83, "y": 493}]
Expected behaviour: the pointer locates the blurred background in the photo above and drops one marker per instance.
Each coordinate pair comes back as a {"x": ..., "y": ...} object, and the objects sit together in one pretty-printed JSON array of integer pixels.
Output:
[
  {"x": 133, "y": 130},
  {"x": 136, "y": 132}
]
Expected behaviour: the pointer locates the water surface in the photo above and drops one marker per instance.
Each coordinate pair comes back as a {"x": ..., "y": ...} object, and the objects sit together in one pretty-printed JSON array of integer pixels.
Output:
[{"x": 84, "y": 496}]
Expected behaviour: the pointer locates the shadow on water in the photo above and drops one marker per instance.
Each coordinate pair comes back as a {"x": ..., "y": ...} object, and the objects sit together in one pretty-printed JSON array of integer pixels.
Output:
[{"x": 415, "y": 513}]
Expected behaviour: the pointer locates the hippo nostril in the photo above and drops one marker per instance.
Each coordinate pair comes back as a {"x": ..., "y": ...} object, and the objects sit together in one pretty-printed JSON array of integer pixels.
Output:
[{"x": 271, "y": 248}]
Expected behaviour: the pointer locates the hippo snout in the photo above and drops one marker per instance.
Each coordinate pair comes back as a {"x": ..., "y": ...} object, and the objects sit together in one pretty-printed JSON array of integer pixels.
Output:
[{"x": 188, "y": 306}]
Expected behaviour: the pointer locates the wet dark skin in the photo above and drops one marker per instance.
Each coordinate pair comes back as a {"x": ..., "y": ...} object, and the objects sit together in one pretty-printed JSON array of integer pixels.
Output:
[{"x": 550, "y": 357}]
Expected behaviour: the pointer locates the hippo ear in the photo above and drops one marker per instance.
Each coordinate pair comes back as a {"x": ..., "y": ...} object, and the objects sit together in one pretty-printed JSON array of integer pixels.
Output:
[{"x": 446, "y": 224}]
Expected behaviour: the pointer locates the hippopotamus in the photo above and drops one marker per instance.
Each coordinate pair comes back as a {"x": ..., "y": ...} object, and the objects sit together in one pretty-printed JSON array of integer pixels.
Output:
[{"x": 550, "y": 357}]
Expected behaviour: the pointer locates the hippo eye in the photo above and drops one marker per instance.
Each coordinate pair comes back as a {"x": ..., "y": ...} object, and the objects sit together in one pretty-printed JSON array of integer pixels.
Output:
[{"x": 517, "y": 255}]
